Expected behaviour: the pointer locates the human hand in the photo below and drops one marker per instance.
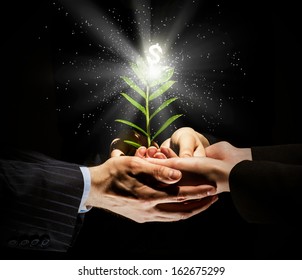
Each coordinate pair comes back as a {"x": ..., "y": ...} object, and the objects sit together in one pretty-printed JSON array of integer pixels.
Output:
[
  {"x": 189, "y": 179},
  {"x": 144, "y": 192},
  {"x": 199, "y": 171},
  {"x": 228, "y": 153},
  {"x": 215, "y": 168},
  {"x": 185, "y": 142}
]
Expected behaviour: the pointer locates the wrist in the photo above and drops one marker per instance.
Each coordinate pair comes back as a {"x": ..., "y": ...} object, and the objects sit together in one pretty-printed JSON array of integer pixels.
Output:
[
  {"x": 245, "y": 154},
  {"x": 98, "y": 180},
  {"x": 86, "y": 189}
]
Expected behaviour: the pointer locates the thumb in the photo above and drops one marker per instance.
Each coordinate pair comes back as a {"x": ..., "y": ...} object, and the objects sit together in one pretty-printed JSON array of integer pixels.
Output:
[{"x": 116, "y": 153}]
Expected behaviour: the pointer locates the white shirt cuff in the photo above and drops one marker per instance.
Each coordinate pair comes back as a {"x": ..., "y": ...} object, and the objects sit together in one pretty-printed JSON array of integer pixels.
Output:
[{"x": 87, "y": 185}]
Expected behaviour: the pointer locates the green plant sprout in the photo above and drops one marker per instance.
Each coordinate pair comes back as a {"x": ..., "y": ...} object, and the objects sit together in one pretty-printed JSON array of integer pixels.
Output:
[{"x": 156, "y": 81}]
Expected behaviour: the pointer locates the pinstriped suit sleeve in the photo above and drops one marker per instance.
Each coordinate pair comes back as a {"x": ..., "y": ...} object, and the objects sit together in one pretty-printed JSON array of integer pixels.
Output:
[{"x": 40, "y": 198}]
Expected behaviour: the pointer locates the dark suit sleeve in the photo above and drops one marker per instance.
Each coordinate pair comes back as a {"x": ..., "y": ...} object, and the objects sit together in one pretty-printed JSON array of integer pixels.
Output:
[
  {"x": 40, "y": 198},
  {"x": 269, "y": 188}
]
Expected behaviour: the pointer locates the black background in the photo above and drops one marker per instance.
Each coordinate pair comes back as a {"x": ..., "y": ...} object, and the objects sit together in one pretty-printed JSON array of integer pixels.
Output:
[{"x": 268, "y": 35}]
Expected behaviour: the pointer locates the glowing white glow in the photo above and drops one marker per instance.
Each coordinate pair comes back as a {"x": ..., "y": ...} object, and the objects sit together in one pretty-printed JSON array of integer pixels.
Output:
[
  {"x": 154, "y": 72},
  {"x": 195, "y": 50},
  {"x": 154, "y": 50},
  {"x": 153, "y": 69}
]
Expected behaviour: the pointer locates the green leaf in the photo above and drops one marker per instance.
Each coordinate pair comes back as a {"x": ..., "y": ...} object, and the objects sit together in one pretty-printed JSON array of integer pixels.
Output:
[
  {"x": 132, "y": 125},
  {"x": 140, "y": 68},
  {"x": 134, "y": 86},
  {"x": 161, "y": 90},
  {"x": 132, "y": 143},
  {"x": 162, "y": 106},
  {"x": 165, "y": 125},
  {"x": 134, "y": 103},
  {"x": 166, "y": 75}
]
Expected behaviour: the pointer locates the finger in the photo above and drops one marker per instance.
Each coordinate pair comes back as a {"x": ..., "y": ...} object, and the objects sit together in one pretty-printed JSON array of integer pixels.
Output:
[
  {"x": 205, "y": 142},
  {"x": 116, "y": 153},
  {"x": 169, "y": 153},
  {"x": 198, "y": 207},
  {"x": 151, "y": 151},
  {"x": 160, "y": 173},
  {"x": 187, "y": 205},
  {"x": 141, "y": 152},
  {"x": 193, "y": 164},
  {"x": 187, "y": 193},
  {"x": 174, "y": 194},
  {"x": 170, "y": 162},
  {"x": 160, "y": 155},
  {"x": 195, "y": 192},
  {"x": 182, "y": 211},
  {"x": 166, "y": 143},
  {"x": 199, "y": 152},
  {"x": 187, "y": 145}
]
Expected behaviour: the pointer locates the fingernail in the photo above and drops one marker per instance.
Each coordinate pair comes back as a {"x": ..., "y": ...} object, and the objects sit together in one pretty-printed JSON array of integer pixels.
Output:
[
  {"x": 151, "y": 151},
  {"x": 174, "y": 174},
  {"x": 160, "y": 155},
  {"x": 142, "y": 150}
]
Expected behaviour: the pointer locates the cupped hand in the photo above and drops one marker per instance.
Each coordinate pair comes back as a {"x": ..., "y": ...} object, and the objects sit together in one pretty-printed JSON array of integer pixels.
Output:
[
  {"x": 145, "y": 192},
  {"x": 200, "y": 171}
]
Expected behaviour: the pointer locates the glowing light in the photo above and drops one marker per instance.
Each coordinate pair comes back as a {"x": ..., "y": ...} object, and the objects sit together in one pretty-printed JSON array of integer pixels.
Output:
[
  {"x": 151, "y": 75},
  {"x": 154, "y": 72},
  {"x": 155, "y": 58},
  {"x": 200, "y": 56},
  {"x": 150, "y": 68}
]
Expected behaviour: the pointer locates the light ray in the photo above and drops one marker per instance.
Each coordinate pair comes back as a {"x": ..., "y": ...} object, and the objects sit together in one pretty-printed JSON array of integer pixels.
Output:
[
  {"x": 199, "y": 54},
  {"x": 102, "y": 30},
  {"x": 142, "y": 13}
]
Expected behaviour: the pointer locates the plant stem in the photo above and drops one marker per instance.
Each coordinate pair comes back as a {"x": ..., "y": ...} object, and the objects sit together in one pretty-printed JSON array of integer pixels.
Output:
[{"x": 148, "y": 117}]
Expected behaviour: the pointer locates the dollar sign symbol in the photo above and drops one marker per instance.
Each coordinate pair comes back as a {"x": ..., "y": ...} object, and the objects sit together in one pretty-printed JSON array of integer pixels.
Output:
[{"x": 154, "y": 50}]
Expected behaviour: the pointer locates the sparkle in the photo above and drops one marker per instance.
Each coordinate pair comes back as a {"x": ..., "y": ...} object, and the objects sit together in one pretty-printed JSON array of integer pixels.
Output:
[{"x": 200, "y": 53}]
